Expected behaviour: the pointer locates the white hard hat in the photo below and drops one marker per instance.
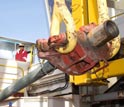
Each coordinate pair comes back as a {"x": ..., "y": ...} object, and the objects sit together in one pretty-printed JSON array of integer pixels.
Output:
[{"x": 21, "y": 44}]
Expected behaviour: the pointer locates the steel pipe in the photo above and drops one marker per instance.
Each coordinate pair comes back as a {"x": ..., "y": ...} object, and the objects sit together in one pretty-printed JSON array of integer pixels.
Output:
[{"x": 103, "y": 33}]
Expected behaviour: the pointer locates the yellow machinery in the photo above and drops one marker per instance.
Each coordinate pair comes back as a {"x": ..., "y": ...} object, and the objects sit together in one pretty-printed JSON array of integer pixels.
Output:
[
  {"x": 63, "y": 49},
  {"x": 85, "y": 12}
]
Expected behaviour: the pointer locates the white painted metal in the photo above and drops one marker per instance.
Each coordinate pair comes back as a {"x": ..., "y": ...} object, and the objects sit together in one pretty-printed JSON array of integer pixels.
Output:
[{"x": 38, "y": 102}]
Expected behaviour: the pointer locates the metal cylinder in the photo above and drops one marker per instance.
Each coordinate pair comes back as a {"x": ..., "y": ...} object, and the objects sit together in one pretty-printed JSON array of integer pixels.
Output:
[
  {"x": 103, "y": 33},
  {"x": 34, "y": 75}
]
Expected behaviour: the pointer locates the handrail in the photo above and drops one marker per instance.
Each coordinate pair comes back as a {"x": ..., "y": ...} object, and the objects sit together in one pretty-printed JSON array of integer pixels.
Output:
[
  {"x": 13, "y": 79},
  {"x": 14, "y": 67},
  {"x": 8, "y": 78},
  {"x": 117, "y": 15},
  {"x": 31, "y": 56}
]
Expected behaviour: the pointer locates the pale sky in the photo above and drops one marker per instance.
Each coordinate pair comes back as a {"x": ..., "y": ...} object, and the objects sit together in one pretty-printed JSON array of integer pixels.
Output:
[{"x": 23, "y": 19}]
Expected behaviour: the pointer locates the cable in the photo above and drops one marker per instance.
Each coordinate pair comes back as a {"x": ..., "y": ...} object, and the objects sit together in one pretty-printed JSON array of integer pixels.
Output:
[
  {"x": 55, "y": 90},
  {"x": 117, "y": 15}
]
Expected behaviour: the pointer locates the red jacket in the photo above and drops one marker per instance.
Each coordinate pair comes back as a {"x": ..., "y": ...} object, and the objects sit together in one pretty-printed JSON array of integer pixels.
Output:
[{"x": 21, "y": 55}]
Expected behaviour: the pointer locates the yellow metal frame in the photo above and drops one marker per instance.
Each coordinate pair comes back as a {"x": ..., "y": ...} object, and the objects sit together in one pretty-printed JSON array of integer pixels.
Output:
[
  {"x": 115, "y": 68},
  {"x": 85, "y": 12}
]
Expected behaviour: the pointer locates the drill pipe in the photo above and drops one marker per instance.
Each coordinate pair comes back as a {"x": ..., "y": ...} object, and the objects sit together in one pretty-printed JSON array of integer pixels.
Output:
[{"x": 26, "y": 80}]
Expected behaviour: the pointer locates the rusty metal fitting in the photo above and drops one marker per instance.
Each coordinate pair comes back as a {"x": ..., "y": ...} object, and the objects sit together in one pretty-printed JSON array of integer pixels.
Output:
[
  {"x": 57, "y": 41},
  {"x": 103, "y": 33}
]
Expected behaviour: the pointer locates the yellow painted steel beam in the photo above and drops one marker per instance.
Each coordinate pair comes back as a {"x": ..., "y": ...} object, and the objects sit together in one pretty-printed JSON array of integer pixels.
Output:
[
  {"x": 92, "y": 11},
  {"x": 115, "y": 69},
  {"x": 84, "y": 12},
  {"x": 79, "y": 13}
]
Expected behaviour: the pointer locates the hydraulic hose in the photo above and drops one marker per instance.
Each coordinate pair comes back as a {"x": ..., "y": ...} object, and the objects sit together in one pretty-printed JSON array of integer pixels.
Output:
[{"x": 31, "y": 77}]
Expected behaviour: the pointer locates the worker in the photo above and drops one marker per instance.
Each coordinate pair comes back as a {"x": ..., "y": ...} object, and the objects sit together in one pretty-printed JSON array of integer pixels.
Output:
[{"x": 21, "y": 54}]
